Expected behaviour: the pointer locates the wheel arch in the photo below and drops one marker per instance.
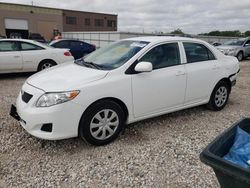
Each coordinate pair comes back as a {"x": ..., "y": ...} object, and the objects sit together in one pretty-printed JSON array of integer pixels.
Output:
[
  {"x": 44, "y": 60},
  {"x": 227, "y": 80},
  {"x": 114, "y": 99}
]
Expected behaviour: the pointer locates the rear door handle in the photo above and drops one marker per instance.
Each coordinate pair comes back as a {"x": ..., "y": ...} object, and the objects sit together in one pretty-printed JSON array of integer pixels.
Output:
[
  {"x": 17, "y": 56},
  {"x": 179, "y": 73}
]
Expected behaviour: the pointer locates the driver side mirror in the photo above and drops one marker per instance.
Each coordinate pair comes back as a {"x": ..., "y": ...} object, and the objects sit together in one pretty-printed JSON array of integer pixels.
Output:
[
  {"x": 247, "y": 45},
  {"x": 144, "y": 67}
]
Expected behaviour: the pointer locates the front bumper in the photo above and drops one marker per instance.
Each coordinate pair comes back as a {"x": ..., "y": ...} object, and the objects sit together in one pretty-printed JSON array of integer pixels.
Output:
[{"x": 64, "y": 117}]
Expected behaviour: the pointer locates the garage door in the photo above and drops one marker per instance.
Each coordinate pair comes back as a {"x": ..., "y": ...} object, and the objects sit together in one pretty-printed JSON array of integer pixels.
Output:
[{"x": 16, "y": 24}]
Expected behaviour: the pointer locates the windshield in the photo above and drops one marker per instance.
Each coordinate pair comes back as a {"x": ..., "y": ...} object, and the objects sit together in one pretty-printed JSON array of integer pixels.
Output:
[
  {"x": 237, "y": 42},
  {"x": 115, "y": 55}
]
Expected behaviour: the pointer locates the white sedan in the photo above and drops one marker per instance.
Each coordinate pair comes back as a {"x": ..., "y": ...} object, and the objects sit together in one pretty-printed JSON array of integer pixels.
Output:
[
  {"x": 20, "y": 55},
  {"x": 124, "y": 82}
]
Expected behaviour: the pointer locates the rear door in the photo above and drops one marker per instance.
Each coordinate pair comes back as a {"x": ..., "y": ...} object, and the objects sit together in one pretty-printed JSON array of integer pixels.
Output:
[
  {"x": 203, "y": 71},
  {"x": 32, "y": 55},
  {"x": 10, "y": 56},
  {"x": 76, "y": 49}
]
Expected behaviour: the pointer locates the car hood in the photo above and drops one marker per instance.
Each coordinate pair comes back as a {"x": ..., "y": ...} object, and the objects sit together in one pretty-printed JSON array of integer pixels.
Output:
[
  {"x": 65, "y": 77},
  {"x": 226, "y": 47}
]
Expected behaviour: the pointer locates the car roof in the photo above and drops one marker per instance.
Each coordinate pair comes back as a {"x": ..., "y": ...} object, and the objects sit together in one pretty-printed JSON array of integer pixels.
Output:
[
  {"x": 21, "y": 40},
  {"x": 156, "y": 39}
]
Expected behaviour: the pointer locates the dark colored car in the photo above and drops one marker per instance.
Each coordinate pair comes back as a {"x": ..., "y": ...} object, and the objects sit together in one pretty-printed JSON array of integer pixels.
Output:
[
  {"x": 37, "y": 37},
  {"x": 77, "y": 48}
]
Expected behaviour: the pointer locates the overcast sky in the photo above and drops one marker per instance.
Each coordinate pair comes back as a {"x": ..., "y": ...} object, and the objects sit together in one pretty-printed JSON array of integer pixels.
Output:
[{"x": 192, "y": 16}]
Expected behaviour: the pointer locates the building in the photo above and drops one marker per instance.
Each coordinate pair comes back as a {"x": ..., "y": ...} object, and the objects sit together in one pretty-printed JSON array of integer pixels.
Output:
[{"x": 25, "y": 19}]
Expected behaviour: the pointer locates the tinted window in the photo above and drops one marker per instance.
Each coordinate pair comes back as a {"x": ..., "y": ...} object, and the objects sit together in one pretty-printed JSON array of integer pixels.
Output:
[
  {"x": 74, "y": 43},
  {"x": 61, "y": 44},
  {"x": 6, "y": 46},
  {"x": 28, "y": 46},
  {"x": 197, "y": 52},
  {"x": 163, "y": 56}
]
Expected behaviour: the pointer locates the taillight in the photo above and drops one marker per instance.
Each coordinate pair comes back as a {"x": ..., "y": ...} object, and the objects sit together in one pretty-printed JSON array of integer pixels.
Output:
[{"x": 67, "y": 54}]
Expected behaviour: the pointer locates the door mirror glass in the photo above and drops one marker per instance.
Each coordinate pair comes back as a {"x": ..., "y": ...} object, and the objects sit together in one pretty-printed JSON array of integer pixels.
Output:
[
  {"x": 247, "y": 44},
  {"x": 144, "y": 67}
]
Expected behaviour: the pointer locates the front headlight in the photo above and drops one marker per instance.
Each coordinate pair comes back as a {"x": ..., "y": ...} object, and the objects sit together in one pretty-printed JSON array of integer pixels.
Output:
[
  {"x": 50, "y": 99},
  {"x": 231, "y": 51}
]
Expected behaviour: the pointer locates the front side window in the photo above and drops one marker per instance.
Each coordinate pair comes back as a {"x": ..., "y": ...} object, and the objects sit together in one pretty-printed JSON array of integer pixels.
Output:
[
  {"x": 27, "y": 46},
  {"x": 7, "y": 46},
  {"x": 164, "y": 55},
  {"x": 114, "y": 55},
  {"x": 197, "y": 52}
]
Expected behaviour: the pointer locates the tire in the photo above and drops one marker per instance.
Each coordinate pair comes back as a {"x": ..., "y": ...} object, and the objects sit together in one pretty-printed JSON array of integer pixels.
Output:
[
  {"x": 101, "y": 123},
  {"x": 219, "y": 96},
  {"x": 240, "y": 56},
  {"x": 45, "y": 65}
]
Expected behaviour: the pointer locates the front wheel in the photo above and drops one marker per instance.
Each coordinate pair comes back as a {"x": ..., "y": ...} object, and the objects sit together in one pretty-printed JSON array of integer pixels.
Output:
[
  {"x": 240, "y": 56},
  {"x": 219, "y": 96},
  {"x": 101, "y": 123}
]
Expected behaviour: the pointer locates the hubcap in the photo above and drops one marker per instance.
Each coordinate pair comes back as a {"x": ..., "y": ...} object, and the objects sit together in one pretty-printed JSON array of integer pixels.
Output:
[
  {"x": 221, "y": 96},
  {"x": 104, "y": 124},
  {"x": 240, "y": 56},
  {"x": 46, "y": 66}
]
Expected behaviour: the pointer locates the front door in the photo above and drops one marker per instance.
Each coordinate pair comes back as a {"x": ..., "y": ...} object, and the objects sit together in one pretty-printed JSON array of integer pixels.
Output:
[
  {"x": 163, "y": 88},
  {"x": 11, "y": 58}
]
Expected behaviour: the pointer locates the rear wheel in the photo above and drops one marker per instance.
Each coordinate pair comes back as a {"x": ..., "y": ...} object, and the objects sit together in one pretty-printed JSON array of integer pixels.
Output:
[
  {"x": 46, "y": 64},
  {"x": 219, "y": 96},
  {"x": 101, "y": 123}
]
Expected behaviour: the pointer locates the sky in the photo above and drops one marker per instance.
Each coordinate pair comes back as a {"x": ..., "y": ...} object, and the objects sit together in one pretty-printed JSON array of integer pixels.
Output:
[{"x": 191, "y": 16}]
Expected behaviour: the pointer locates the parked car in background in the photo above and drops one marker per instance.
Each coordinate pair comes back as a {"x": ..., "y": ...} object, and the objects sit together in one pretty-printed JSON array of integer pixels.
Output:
[
  {"x": 77, "y": 48},
  {"x": 37, "y": 37},
  {"x": 216, "y": 43},
  {"x": 21, "y": 55},
  {"x": 239, "y": 48},
  {"x": 124, "y": 82}
]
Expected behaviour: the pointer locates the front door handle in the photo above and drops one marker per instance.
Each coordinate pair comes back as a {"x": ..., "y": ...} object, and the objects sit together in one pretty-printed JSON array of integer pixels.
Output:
[
  {"x": 179, "y": 73},
  {"x": 17, "y": 56}
]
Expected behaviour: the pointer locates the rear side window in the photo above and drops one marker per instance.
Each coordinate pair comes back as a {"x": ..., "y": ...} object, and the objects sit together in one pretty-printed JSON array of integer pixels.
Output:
[
  {"x": 27, "y": 46},
  {"x": 7, "y": 46},
  {"x": 197, "y": 52},
  {"x": 62, "y": 44},
  {"x": 164, "y": 55}
]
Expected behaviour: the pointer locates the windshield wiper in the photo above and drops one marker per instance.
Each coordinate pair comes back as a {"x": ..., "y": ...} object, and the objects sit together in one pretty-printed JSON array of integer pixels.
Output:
[
  {"x": 93, "y": 64},
  {"x": 87, "y": 64}
]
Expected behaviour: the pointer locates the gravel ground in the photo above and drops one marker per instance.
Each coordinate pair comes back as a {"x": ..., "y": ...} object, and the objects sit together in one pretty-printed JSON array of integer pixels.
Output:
[{"x": 160, "y": 152}]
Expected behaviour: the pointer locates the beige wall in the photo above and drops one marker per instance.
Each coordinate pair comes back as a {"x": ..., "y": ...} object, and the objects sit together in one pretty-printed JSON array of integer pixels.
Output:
[{"x": 40, "y": 20}]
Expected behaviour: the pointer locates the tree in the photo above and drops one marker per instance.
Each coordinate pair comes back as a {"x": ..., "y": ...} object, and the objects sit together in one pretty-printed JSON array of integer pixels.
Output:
[
  {"x": 177, "y": 31},
  {"x": 247, "y": 34}
]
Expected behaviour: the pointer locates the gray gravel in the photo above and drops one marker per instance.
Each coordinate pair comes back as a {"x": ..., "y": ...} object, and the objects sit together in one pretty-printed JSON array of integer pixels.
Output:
[{"x": 160, "y": 152}]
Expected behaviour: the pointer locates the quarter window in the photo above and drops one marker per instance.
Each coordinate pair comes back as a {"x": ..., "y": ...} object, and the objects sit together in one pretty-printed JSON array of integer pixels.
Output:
[
  {"x": 197, "y": 52},
  {"x": 163, "y": 56},
  {"x": 62, "y": 44},
  {"x": 27, "y": 46},
  {"x": 6, "y": 46}
]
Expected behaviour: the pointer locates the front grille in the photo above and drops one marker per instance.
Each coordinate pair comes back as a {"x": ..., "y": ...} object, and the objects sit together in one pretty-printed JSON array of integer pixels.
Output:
[{"x": 26, "y": 97}]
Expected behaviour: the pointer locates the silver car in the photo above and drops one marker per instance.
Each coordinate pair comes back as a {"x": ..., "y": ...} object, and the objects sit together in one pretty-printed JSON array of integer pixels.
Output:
[{"x": 239, "y": 48}]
